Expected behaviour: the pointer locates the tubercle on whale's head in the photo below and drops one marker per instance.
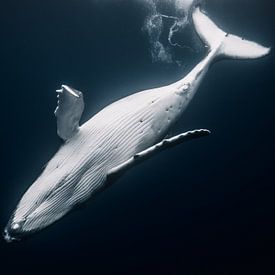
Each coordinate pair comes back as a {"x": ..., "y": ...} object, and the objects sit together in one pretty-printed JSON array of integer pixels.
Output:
[{"x": 50, "y": 197}]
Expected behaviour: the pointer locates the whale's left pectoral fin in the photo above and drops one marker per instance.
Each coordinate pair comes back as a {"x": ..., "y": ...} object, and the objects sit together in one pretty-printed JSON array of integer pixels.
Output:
[
  {"x": 69, "y": 110},
  {"x": 164, "y": 144}
]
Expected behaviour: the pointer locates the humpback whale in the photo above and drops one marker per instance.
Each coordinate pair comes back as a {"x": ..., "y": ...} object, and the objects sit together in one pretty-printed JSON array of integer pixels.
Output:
[{"x": 120, "y": 136}]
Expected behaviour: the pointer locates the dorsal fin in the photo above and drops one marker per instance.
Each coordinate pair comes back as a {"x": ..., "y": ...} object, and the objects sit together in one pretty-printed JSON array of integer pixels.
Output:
[{"x": 69, "y": 109}]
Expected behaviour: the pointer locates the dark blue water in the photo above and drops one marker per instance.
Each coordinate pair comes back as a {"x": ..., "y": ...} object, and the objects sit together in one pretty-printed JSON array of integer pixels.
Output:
[{"x": 205, "y": 207}]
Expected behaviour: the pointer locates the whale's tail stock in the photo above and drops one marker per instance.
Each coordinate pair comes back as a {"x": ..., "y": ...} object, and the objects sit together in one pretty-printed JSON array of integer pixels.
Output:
[{"x": 225, "y": 44}]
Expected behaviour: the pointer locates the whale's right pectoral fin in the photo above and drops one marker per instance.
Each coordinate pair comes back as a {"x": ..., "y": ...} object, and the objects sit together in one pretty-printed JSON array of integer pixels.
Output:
[
  {"x": 69, "y": 110},
  {"x": 164, "y": 144}
]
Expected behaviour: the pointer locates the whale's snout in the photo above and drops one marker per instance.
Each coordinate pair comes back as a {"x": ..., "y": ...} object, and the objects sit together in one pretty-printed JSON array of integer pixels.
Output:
[
  {"x": 14, "y": 231},
  {"x": 46, "y": 201}
]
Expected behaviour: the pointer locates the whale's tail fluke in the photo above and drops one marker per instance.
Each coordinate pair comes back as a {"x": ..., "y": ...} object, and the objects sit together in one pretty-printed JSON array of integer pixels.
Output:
[{"x": 227, "y": 45}]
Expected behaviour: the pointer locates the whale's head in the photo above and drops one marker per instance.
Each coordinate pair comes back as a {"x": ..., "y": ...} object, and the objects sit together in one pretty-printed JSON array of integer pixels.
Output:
[
  {"x": 25, "y": 221},
  {"x": 19, "y": 228},
  {"x": 47, "y": 200},
  {"x": 35, "y": 216},
  {"x": 65, "y": 183}
]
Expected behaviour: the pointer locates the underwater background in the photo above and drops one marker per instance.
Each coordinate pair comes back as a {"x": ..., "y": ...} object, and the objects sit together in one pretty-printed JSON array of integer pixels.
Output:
[{"x": 203, "y": 207}]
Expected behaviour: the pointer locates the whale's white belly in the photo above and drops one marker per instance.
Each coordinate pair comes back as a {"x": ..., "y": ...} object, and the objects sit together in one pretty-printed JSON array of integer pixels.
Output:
[{"x": 115, "y": 134}]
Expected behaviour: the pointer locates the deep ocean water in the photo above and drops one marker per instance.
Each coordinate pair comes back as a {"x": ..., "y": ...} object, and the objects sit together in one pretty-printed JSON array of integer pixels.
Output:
[{"x": 204, "y": 207}]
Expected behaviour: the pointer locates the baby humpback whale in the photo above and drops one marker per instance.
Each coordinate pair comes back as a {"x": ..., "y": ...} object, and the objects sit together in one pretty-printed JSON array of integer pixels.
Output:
[{"x": 118, "y": 137}]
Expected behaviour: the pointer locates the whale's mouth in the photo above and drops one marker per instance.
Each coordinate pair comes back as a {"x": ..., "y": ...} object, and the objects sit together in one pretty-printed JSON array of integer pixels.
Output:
[
  {"x": 14, "y": 230},
  {"x": 9, "y": 237}
]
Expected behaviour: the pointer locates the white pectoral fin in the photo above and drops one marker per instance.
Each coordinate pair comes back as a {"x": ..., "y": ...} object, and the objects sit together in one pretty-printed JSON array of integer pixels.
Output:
[
  {"x": 166, "y": 143},
  {"x": 69, "y": 109}
]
